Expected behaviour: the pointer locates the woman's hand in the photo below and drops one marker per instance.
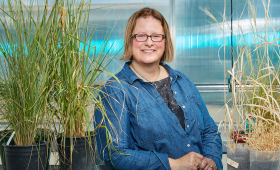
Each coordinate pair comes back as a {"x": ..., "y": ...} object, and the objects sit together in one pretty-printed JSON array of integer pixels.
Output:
[
  {"x": 191, "y": 161},
  {"x": 210, "y": 165}
]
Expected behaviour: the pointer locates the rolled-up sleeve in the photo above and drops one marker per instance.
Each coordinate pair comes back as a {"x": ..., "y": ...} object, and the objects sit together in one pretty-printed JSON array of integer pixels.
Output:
[{"x": 114, "y": 138}]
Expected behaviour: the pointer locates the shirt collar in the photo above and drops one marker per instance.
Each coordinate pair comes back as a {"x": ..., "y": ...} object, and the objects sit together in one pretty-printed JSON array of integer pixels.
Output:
[
  {"x": 131, "y": 76},
  {"x": 128, "y": 73}
]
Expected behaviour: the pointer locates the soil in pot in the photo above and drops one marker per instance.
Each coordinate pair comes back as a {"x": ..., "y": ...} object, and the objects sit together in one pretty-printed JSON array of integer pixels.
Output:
[
  {"x": 32, "y": 157},
  {"x": 82, "y": 156}
]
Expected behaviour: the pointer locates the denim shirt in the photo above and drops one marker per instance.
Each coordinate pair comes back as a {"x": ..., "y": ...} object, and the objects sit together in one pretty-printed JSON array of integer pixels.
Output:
[{"x": 144, "y": 130}]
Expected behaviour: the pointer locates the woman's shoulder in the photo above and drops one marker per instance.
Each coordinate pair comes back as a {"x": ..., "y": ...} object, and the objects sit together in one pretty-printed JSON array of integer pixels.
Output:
[
  {"x": 118, "y": 83},
  {"x": 114, "y": 83}
]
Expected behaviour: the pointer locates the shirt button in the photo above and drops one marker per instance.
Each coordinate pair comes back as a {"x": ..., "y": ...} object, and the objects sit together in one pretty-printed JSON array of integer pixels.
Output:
[
  {"x": 175, "y": 92},
  {"x": 188, "y": 126},
  {"x": 183, "y": 106},
  {"x": 188, "y": 145}
]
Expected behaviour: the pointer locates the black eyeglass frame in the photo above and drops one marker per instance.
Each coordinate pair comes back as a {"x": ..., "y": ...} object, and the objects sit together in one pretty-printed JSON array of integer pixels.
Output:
[{"x": 147, "y": 36}]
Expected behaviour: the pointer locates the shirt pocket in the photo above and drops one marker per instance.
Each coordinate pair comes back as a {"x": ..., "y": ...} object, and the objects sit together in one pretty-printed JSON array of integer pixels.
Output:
[
  {"x": 150, "y": 124},
  {"x": 196, "y": 105}
]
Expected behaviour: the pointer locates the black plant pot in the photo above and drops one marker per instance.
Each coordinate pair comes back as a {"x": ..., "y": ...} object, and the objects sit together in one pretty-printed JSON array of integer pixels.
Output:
[
  {"x": 82, "y": 156},
  {"x": 32, "y": 157},
  {"x": 5, "y": 135}
]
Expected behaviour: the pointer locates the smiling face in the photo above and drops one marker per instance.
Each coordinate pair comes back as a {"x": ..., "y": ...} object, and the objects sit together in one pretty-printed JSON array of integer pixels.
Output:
[{"x": 147, "y": 52}]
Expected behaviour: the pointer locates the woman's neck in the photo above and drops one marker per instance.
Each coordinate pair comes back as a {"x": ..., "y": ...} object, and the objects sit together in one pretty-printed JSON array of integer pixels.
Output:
[{"x": 147, "y": 72}]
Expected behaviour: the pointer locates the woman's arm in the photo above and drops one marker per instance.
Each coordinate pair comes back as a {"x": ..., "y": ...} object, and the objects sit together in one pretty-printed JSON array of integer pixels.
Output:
[
  {"x": 211, "y": 140},
  {"x": 118, "y": 132}
]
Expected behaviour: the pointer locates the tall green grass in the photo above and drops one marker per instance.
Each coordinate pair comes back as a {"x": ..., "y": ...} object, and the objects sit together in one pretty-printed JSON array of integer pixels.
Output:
[
  {"x": 76, "y": 68},
  {"x": 25, "y": 67},
  {"x": 50, "y": 68}
]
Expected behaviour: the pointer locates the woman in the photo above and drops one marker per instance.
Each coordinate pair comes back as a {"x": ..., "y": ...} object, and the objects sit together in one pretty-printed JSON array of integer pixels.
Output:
[{"x": 156, "y": 116}]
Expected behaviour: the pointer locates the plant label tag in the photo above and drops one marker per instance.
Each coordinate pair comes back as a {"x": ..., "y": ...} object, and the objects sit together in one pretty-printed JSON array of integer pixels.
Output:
[{"x": 232, "y": 163}]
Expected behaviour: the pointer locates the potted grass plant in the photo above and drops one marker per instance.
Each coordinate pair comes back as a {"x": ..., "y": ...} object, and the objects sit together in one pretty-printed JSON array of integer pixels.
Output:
[
  {"x": 255, "y": 81},
  {"x": 78, "y": 65},
  {"x": 50, "y": 73},
  {"x": 24, "y": 81}
]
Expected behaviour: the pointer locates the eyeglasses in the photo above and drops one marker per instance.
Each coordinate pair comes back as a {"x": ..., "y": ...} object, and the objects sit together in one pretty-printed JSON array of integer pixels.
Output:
[{"x": 144, "y": 37}]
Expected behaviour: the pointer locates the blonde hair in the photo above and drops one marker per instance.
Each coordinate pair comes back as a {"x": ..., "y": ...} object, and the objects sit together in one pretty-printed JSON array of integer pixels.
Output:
[{"x": 168, "y": 54}]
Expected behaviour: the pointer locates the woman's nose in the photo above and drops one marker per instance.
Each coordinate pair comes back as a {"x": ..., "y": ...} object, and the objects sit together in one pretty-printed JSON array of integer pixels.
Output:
[{"x": 149, "y": 41}]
